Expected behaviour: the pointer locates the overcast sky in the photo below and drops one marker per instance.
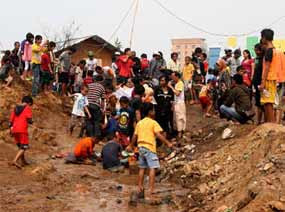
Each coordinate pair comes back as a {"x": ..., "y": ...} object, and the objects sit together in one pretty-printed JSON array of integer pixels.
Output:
[{"x": 154, "y": 27}]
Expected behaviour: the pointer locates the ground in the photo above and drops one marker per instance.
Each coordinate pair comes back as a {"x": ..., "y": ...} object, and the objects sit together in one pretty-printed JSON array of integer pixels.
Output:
[{"x": 206, "y": 173}]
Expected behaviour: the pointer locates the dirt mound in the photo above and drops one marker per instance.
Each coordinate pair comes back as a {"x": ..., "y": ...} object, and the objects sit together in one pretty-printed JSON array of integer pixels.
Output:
[{"x": 245, "y": 174}]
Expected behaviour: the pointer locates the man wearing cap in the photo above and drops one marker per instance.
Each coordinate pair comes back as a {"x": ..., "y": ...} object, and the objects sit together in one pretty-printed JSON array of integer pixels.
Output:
[
  {"x": 91, "y": 62},
  {"x": 156, "y": 67}
]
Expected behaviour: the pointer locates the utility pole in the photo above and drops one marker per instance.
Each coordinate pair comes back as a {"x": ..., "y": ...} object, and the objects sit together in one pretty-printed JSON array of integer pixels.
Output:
[{"x": 134, "y": 22}]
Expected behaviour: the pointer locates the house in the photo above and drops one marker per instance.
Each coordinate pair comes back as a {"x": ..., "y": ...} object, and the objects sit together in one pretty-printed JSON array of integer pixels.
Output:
[
  {"x": 186, "y": 46},
  {"x": 102, "y": 49}
]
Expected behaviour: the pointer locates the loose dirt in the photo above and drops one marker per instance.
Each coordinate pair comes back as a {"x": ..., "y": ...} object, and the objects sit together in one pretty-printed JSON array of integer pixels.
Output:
[{"x": 244, "y": 173}]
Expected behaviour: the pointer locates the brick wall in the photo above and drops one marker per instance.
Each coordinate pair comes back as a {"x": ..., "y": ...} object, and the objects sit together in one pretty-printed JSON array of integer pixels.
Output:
[{"x": 104, "y": 56}]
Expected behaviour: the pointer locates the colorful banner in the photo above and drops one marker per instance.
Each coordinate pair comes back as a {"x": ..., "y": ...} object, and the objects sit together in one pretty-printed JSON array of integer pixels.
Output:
[
  {"x": 279, "y": 44},
  {"x": 282, "y": 42},
  {"x": 232, "y": 42},
  {"x": 250, "y": 43}
]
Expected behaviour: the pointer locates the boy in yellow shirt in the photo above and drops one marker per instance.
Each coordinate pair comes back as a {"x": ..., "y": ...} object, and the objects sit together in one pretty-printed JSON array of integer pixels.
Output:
[
  {"x": 187, "y": 74},
  {"x": 147, "y": 130},
  {"x": 37, "y": 51}
]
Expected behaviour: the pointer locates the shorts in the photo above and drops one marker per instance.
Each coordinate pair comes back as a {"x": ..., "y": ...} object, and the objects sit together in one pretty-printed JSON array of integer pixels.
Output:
[
  {"x": 76, "y": 121},
  {"x": 4, "y": 77},
  {"x": 257, "y": 96},
  {"x": 46, "y": 77},
  {"x": 23, "y": 146},
  {"x": 27, "y": 65},
  {"x": 22, "y": 140},
  {"x": 148, "y": 159},
  {"x": 124, "y": 140},
  {"x": 280, "y": 97},
  {"x": 71, "y": 158},
  {"x": 205, "y": 101},
  {"x": 269, "y": 96},
  {"x": 64, "y": 77}
]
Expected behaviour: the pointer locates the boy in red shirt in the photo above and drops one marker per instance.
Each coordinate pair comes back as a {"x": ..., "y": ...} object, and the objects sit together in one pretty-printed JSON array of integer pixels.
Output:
[
  {"x": 46, "y": 71},
  {"x": 89, "y": 78},
  {"x": 19, "y": 120}
]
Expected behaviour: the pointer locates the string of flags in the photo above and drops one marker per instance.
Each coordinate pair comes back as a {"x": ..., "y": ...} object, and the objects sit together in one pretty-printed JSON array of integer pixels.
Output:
[{"x": 232, "y": 42}]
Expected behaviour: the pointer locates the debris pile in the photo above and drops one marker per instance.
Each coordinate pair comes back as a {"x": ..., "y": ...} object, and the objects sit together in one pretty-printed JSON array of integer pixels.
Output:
[{"x": 245, "y": 174}]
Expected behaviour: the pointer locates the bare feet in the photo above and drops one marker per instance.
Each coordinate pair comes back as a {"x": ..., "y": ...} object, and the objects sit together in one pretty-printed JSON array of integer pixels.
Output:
[
  {"x": 25, "y": 163},
  {"x": 16, "y": 165},
  {"x": 208, "y": 115}
]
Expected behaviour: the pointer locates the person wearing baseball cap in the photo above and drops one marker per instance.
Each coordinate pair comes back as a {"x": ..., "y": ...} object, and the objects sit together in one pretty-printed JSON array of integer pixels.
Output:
[{"x": 91, "y": 62}]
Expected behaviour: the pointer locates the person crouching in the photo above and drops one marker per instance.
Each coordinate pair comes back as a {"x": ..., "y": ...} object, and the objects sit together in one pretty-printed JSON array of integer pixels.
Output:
[{"x": 83, "y": 152}]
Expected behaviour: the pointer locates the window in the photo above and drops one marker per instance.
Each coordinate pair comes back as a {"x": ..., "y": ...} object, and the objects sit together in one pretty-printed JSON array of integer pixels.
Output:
[
  {"x": 178, "y": 46},
  {"x": 193, "y": 46}
]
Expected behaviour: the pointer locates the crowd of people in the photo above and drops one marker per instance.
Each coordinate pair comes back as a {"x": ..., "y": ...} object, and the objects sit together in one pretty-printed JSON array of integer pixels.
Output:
[{"x": 136, "y": 100}]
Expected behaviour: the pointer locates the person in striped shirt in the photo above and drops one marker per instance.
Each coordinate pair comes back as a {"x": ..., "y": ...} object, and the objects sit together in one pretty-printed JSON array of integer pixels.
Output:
[{"x": 96, "y": 99}]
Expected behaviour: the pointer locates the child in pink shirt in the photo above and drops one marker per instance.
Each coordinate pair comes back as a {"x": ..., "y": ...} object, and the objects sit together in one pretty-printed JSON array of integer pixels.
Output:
[{"x": 26, "y": 52}]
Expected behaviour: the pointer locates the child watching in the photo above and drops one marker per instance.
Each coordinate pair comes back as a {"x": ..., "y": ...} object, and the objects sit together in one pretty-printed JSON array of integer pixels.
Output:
[
  {"x": 145, "y": 133},
  {"x": 111, "y": 154},
  {"x": 5, "y": 72},
  {"x": 83, "y": 152},
  {"x": 126, "y": 122},
  {"x": 19, "y": 120},
  {"x": 89, "y": 78},
  {"x": 79, "y": 72},
  {"x": 187, "y": 74},
  {"x": 205, "y": 98},
  {"x": 80, "y": 107},
  {"x": 246, "y": 80},
  {"x": 112, "y": 124},
  {"x": 46, "y": 71},
  {"x": 26, "y": 53}
]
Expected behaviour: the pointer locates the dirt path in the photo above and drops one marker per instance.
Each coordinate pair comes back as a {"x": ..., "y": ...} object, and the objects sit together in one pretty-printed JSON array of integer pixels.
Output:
[{"x": 50, "y": 185}]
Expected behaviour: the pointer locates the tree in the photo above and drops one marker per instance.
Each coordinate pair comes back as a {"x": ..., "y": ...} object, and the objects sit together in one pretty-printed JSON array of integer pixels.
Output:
[
  {"x": 63, "y": 37},
  {"x": 118, "y": 44}
]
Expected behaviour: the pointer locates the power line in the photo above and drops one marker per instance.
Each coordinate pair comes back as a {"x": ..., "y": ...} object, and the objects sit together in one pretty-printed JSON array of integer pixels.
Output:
[
  {"x": 213, "y": 33},
  {"x": 119, "y": 26},
  {"x": 112, "y": 35}
]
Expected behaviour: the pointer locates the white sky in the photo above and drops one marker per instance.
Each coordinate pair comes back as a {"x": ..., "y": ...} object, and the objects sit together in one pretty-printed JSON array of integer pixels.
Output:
[{"x": 154, "y": 27}]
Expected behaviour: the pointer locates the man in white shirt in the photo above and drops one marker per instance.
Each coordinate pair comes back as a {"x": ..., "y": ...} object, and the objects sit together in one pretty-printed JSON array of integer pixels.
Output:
[
  {"x": 179, "y": 103},
  {"x": 173, "y": 64},
  {"x": 91, "y": 62}
]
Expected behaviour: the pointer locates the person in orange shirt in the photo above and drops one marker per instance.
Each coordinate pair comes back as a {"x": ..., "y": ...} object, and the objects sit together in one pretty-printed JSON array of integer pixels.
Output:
[
  {"x": 83, "y": 152},
  {"x": 268, "y": 87}
]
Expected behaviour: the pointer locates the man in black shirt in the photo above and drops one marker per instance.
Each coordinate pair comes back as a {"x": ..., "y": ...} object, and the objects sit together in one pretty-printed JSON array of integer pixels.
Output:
[
  {"x": 257, "y": 78},
  {"x": 164, "y": 97},
  {"x": 196, "y": 59}
]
